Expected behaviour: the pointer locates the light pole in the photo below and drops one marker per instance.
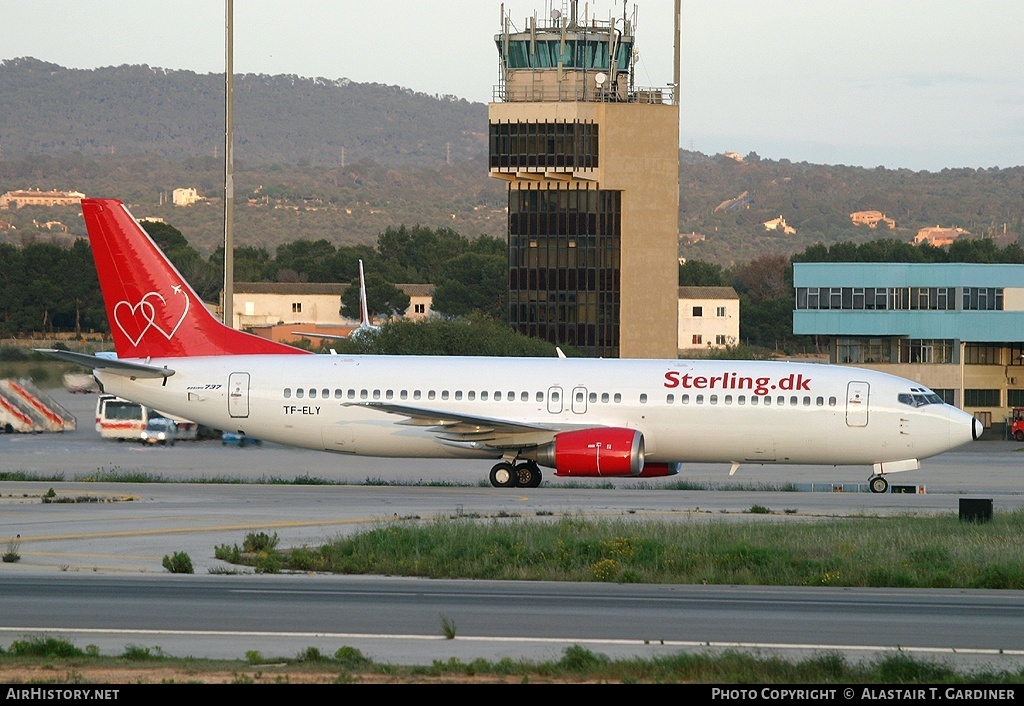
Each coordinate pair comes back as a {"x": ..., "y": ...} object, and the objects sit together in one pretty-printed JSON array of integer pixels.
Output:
[{"x": 229, "y": 171}]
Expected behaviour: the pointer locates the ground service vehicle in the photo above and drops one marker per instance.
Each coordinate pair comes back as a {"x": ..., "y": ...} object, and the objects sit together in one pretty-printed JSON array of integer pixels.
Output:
[{"x": 159, "y": 430}]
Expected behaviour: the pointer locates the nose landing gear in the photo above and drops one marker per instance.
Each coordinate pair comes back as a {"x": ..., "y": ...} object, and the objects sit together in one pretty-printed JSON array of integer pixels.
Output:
[{"x": 878, "y": 484}]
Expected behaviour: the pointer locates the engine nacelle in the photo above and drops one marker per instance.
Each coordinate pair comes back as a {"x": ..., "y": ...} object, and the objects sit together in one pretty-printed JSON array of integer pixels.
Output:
[
  {"x": 601, "y": 452},
  {"x": 656, "y": 470}
]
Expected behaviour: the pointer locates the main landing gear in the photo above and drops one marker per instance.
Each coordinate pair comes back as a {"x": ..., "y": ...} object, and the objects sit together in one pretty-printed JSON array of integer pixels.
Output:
[
  {"x": 519, "y": 475},
  {"x": 878, "y": 484}
]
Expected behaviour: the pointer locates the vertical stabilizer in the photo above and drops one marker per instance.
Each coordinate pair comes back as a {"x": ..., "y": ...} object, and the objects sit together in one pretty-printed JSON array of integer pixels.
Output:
[
  {"x": 364, "y": 314},
  {"x": 153, "y": 312}
]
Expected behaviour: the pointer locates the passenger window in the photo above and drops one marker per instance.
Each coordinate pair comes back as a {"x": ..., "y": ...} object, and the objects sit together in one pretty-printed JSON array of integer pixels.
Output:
[
  {"x": 351, "y": 394},
  {"x": 415, "y": 394},
  {"x": 793, "y": 401},
  {"x": 700, "y": 399},
  {"x": 685, "y": 399},
  {"x": 767, "y": 401},
  {"x": 728, "y": 399},
  {"x": 325, "y": 393},
  {"x": 605, "y": 397},
  {"x": 593, "y": 397},
  {"x": 540, "y": 396},
  {"x": 617, "y": 398},
  {"x": 820, "y": 401},
  {"x": 643, "y": 398},
  {"x": 713, "y": 399},
  {"x": 312, "y": 393},
  {"x": 287, "y": 392},
  {"x": 430, "y": 395},
  {"x": 471, "y": 395},
  {"x": 390, "y": 394},
  {"x": 669, "y": 399},
  {"x": 376, "y": 394},
  {"x": 444, "y": 394},
  {"x": 299, "y": 393},
  {"x": 742, "y": 399},
  {"x": 807, "y": 401},
  {"x": 753, "y": 400},
  {"x": 483, "y": 396},
  {"x": 831, "y": 401},
  {"x": 363, "y": 394},
  {"x": 404, "y": 394},
  {"x": 337, "y": 394}
]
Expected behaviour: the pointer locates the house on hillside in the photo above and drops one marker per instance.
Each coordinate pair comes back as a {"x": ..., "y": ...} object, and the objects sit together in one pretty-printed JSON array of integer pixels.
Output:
[
  {"x": 186, "y": 196},
  {"x": 779, "y": 224},
  {"x": 871, "y": 219},
  {"x": 938, "y": 236},
  {"x": 35, "y": 197}
]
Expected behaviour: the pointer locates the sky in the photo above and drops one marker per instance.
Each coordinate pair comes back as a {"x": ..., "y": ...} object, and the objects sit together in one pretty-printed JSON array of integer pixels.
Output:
[{"x": 917, "y": 84}]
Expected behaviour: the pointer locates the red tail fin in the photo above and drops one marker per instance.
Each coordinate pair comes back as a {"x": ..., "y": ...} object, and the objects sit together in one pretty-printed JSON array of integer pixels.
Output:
[{"x": 152, "y": 310}]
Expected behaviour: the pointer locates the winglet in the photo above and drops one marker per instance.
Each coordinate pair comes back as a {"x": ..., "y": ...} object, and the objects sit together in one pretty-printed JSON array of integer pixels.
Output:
[{"x": 153, "y": 312}]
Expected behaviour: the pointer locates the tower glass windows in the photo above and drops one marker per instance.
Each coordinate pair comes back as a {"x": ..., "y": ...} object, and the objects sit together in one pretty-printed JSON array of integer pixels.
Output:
[
  {"x": 564, "y": 247},
  {"x": 521, "y": 145}
]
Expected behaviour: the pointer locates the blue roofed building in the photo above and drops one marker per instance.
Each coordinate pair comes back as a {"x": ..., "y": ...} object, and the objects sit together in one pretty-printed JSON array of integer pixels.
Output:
[{"x": 957, "y": 328}]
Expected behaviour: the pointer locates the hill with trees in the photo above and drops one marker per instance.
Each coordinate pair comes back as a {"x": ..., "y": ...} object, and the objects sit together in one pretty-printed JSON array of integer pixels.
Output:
[
  {"x": 331, "y": 171},
  {"x": 50, "y": 109},
  {"x": 137, "y": 133}
]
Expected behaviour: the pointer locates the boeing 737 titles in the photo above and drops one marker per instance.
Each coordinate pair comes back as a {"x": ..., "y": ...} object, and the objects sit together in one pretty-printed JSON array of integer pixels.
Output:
[{"x": 580, "y": 417}]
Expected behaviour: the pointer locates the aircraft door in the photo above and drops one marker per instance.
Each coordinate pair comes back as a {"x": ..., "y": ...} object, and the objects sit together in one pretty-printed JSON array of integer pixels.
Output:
[
  {"x": 555, "y": 400},
  {"x": 579, "y": 400},
  {"x": 238, "y": 395},
  {"x": 857, "y": 394}
]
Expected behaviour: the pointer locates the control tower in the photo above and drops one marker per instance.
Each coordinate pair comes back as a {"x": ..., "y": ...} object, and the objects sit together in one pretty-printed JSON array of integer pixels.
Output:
[{"x": 592, "y": 166}]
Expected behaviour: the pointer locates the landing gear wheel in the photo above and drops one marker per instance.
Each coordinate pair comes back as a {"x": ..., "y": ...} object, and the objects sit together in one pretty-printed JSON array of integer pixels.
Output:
[
  {"x": 878, "y": 484},
  {"x": 527, "y": 475},
  {"x": 503, "y": 475}
]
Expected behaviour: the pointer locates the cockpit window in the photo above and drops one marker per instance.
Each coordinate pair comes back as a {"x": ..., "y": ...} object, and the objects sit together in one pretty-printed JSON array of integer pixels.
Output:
[{"x": 919, "y": 398}]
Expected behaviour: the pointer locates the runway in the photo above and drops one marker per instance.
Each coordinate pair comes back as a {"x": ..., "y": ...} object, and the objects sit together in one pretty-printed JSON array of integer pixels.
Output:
[{"x": 96, "y": 567}]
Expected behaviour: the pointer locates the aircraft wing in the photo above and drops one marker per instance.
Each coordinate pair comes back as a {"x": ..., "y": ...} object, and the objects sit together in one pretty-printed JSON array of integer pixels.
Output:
[
  {"x": 458, "y": 428},
  {"x": 111, "y": 365}
]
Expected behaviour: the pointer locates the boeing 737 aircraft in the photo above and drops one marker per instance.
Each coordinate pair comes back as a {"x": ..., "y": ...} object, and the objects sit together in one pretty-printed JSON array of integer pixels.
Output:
[{"x": 580, "y": 417}]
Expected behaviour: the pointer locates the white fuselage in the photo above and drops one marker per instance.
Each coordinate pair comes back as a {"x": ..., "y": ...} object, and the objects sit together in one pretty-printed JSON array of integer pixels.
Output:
[{"x": 697, "y": 411}]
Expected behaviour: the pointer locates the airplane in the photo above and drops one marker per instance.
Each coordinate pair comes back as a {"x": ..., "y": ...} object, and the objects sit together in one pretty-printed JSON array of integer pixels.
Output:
[
  {"x": 365, "y": 326},
  {"x": 608, "y": 418}
]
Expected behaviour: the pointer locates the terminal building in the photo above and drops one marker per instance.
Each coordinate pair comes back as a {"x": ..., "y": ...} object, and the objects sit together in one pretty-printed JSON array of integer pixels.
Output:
[
  {"x": 957, "y": 328},
  {"x": 592, "y": 166}
]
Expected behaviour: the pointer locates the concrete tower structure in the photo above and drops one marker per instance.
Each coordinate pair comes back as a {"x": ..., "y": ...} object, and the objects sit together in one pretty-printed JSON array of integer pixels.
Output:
[{"x": 592, "y": 166}]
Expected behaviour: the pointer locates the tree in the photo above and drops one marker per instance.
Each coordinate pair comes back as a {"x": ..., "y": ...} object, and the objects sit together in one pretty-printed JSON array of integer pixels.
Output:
[
  {"x": 421, "y": 250},
  {"x": 382, "y": 298},
  {"x": 473, "y": 282},
  {"x": 765, "y": 278},
  {"x": 697, "y": 273},
  {"x": 471, "y": 335}
]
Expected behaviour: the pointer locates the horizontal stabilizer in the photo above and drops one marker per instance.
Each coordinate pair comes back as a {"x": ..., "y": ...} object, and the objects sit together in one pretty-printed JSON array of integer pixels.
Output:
[{"x": 111, "y": 365}]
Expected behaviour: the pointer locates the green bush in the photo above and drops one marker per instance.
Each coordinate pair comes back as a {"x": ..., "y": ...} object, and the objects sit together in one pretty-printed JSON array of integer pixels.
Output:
[
  {"x": 179, "y": 563},
  {"x": 48, "y": 647},
  {"x": 259, "y": 542}
]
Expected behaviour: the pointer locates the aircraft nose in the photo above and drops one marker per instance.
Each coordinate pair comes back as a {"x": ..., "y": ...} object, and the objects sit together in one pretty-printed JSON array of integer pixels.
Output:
[{"x": 963, "y": 427}]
